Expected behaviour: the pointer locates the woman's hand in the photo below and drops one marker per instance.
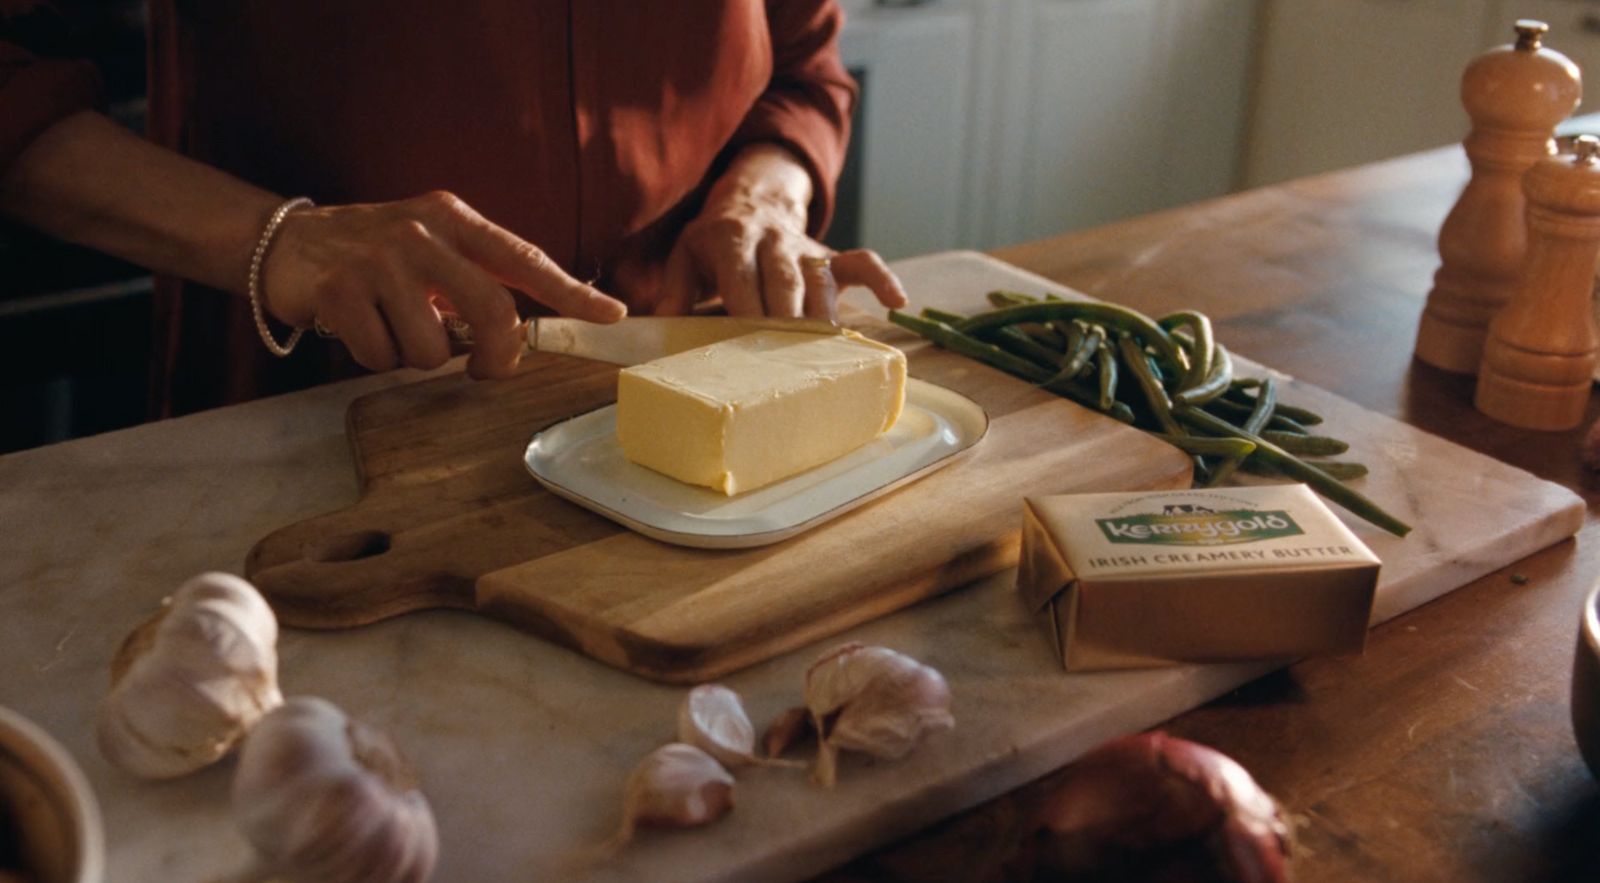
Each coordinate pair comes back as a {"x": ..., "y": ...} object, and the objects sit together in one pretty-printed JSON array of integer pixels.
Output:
[
  {"x": 371, "y": 274},
  {"x": 749, "y": 245}
]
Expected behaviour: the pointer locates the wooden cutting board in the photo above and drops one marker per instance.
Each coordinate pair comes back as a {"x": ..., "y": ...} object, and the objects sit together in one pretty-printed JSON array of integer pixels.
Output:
[{"x": 449, "y": 517}]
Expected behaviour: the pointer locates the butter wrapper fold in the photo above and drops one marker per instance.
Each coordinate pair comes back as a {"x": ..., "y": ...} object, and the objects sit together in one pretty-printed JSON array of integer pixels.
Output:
[{"x": 1143, "y": 579}]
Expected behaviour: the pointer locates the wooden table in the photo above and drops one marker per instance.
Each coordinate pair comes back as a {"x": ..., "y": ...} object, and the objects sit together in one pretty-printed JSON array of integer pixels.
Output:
[{"x": 1445, "y": 752}]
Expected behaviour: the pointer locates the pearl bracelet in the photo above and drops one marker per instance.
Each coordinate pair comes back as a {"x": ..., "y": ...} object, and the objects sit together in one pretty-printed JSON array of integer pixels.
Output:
[{"x": 258, "y": 258}]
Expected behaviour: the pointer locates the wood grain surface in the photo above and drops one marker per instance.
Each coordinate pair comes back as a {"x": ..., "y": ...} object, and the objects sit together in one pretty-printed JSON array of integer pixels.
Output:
[
  {"x": 1445, "y": 752},
  {"x": 449, "y": 518}
]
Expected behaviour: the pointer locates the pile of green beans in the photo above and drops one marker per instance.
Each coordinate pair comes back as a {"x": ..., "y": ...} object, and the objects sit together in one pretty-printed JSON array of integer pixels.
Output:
[{"x": 1182, "y": 388}]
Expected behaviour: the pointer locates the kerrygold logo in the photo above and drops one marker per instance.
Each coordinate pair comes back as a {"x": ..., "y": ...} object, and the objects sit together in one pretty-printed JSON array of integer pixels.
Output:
[{"x": 1198, "y": 526}]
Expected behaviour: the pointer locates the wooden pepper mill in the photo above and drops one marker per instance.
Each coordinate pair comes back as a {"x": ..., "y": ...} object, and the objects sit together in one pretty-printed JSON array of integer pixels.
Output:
[
  {"x": 1538, "y": 361},
  {"x": 1515, "y": 95}
]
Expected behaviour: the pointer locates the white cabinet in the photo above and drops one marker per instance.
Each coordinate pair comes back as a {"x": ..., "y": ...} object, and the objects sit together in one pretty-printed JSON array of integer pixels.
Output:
[
  {"x": 1127, "y": 106},
  {"x": 996, "y": 121},
  {"x": 915, "y": 66},
  {"x": 1344, "y": 82}
]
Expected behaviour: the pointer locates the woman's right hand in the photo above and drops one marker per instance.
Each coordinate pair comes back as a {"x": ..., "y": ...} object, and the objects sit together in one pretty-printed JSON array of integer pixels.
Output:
[{"x": 370, "y": 273}]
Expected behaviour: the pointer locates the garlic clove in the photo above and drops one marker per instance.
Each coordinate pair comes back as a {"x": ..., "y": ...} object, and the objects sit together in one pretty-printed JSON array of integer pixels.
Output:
[
  {"x": 326, "y": 799},
  {"x": 872, "y": 700},
  {"x": 788, "y": 730},
  {"x": 189, "y": 682},
  {"x": 713, "y": 719},
  {"x": 675, "y": 786}
]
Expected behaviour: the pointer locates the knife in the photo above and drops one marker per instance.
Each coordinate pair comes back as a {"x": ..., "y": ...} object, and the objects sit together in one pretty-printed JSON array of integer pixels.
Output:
[{"x": 635, "y": 340}]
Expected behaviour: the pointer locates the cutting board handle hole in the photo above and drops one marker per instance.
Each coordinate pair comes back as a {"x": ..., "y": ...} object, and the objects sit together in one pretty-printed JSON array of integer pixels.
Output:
[{"x": 350, "y": 546}]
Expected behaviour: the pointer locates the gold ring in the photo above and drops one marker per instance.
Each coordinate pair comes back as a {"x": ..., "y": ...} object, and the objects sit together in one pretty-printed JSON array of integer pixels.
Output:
[
  {"x": 816, "y": 262},
  {"x": 455, "y": 327}
]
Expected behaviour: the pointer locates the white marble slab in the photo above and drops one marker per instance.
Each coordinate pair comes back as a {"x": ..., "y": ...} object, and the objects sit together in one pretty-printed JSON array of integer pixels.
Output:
[{"x": 522, "y": 746}]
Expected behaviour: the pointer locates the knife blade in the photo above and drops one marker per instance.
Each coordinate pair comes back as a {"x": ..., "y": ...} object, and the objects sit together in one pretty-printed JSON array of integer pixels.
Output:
[{"x": 636, "y": 340}]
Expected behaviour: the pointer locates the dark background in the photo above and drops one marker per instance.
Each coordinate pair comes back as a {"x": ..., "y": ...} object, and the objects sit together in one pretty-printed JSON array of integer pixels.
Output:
[{"x": 75, "y": 325}]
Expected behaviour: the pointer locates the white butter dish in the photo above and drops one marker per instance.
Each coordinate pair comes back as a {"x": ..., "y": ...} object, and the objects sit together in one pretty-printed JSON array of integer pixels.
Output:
[{"x": 580, "y": 460}]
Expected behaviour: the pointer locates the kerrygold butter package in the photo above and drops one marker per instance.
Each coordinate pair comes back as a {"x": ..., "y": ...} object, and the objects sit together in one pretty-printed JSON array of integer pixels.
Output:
[{"x": 1153, "y": 578}]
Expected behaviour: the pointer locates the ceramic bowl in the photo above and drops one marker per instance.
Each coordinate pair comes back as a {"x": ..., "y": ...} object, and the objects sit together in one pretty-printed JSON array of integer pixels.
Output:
[
  {"x": 47, "y": 802},
  {"x": 1586, "y": 683}
]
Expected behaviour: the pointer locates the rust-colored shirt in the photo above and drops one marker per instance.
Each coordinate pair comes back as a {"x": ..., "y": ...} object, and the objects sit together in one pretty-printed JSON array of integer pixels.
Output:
[{"x": 589, "y": 127}]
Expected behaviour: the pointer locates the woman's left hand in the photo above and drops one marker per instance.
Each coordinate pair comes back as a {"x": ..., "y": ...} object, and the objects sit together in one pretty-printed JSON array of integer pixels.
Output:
[{"x": 749, "y": 246}]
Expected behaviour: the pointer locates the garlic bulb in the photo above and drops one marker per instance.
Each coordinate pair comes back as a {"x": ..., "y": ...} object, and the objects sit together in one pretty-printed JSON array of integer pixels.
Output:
[
  {"x": 675, "y": 786},
  {"x": 325, "y": 799},
  {"x": 188, "y": 683},
  {"x": 872, "y": 700}
]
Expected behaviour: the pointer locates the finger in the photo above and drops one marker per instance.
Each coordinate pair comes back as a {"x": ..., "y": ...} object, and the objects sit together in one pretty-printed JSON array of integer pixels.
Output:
[
  {"x": 519, "y": 263},
  {"x": 363, "y": 332},
  {"x": 483, "y": 303},
  {"x": 415, "y": 325},
  {"x": 822, "y": 291},
  {"x": 680, "y": 284},
  {"x": 738, "y": 282},
  {"x": 863, "y": 267},
  {"x": 782, "y": 290}
]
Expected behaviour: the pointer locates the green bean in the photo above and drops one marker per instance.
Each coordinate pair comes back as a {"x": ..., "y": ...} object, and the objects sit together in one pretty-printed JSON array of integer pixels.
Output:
[
  {"x": 1207, "y": 445},
  {"x": 1200, "y": 369},
  {"x": 1051, "y": 342},
  {"x": 1233, "y": 452},
  {"x": 1215, "y": 383},
  {"x": 1284, "y": 424},
  {"x": 1227, "y": 408},
  {"x": 1295, "y": 468},
  {"x": 1111, "y": 316},
  {"x": 1087, "y": 345},
  {"x": 1225, "y": 470},
  {"x": 1300, "y": 415},
  {"x": 953, "y": 340},
  {"x": 1231, "y": 406},
  {"x": 1340, "y": 469},
  {"x": 1307, "y": 445},
  {"x": 1046, "y": 334},
  {"x": 1073, "y": 334},
  {"x": 999, "y": 299},
  {"x": 1134, "y": 358},
  {"x": 1344, "y": 471},
  {"x": 1017, "y": 343},
  {"x": 1266, "y": 403},
  {"x": 1089, "y": 397},
  {"x": 1106, "y": 365}
]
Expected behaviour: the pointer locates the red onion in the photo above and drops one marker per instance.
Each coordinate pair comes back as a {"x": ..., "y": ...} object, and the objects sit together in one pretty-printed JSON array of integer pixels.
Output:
[
  {"x": 1153, "y": 807},
  {"x": 1589, "y": 448}
]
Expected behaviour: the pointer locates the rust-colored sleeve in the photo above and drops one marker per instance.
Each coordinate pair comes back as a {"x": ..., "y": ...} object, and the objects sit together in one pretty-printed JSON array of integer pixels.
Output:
[
  {"x": 35, "y": 93},
  {"x": 806, "y": 107}
]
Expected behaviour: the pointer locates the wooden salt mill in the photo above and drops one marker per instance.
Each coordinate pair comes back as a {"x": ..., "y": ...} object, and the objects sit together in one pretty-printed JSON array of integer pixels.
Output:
[
  {"x": 1538, "y": 361},
  {"x": 1515, "y": 95}
]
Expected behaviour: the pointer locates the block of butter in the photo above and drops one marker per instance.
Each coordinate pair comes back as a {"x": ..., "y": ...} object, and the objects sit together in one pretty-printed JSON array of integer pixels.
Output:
[
  {"x": 742, "y": 413},
  {"x": 1153, "y": 578}
]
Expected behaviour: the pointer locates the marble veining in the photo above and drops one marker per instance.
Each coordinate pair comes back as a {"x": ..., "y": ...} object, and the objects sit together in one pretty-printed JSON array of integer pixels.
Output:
[{"x": 522, "y": 746}]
